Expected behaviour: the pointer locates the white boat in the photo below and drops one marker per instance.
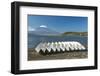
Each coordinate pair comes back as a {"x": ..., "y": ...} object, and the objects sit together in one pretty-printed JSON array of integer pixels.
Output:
[{"x": 59, "y": 46}]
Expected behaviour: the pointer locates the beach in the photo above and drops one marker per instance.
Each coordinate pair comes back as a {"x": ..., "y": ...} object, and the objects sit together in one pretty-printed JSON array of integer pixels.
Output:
[{"x": 33, "y": 55}]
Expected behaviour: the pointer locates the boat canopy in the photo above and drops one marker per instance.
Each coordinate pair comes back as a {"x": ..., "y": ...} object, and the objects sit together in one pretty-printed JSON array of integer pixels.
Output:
[{"x": 59, "y": 46}]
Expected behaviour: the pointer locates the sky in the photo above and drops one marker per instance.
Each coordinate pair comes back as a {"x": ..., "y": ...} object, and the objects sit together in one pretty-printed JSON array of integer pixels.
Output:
[{"x": 58, "y": 23}]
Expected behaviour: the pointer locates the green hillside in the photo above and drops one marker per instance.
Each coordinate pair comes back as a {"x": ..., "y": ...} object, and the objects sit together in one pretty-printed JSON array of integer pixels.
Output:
[{"x": 76, "y": 33}]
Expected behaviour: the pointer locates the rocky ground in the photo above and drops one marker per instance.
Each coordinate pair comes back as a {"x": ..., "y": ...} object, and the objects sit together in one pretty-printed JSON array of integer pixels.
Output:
[{"x": 33, "y": 55}]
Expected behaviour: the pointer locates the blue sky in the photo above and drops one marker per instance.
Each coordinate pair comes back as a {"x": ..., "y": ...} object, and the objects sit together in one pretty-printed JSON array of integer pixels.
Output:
[{"x": 58, "y": 23}]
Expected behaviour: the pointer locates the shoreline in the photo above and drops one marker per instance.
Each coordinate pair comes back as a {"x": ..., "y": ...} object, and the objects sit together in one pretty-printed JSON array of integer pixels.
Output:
[{"x": 33, "y": 55}]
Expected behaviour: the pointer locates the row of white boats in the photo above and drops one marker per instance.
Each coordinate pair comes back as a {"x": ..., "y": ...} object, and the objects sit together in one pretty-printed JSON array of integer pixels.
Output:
[{"x": 59, "y": 46}]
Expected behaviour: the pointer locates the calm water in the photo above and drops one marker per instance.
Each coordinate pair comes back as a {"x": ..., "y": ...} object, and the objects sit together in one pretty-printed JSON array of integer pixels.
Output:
[{"x": 34, "y": 40}]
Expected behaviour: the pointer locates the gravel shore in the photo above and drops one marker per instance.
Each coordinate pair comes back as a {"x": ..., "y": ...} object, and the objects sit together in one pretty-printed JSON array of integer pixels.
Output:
[{"x": 33, "y": 55}]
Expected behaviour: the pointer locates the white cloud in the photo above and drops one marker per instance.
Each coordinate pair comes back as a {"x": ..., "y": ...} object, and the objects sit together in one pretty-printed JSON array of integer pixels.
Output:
[
  {"x": 31, "y": 29},
  {"x": 43, "y": 26}
]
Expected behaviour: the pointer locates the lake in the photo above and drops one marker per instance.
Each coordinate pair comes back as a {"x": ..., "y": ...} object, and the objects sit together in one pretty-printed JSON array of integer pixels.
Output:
[{"x": 34, "y": 40}]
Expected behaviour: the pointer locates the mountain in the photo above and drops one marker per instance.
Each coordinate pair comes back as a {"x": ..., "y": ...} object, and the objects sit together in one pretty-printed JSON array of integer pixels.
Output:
[
  {"x": 44, "y": 31},
  {"x": 76, "y": 33}
]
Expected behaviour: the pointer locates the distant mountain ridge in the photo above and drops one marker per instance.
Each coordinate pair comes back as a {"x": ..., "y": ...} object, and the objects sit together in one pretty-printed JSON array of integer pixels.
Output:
[
  {"x": 76, "y": 33},
  {"x": 44, "y": 31}
]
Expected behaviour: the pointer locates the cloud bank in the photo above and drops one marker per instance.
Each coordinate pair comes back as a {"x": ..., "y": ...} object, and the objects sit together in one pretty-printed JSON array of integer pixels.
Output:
[
  {"x": 43, "y": 26},
  {"x": 31, "y": 29}
]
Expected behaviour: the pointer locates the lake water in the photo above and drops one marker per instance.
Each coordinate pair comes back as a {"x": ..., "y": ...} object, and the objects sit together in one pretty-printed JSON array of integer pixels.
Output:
[{"x": 34, "y": 40}]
